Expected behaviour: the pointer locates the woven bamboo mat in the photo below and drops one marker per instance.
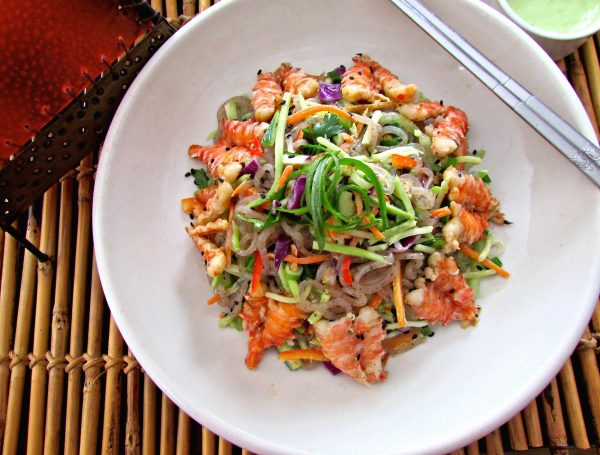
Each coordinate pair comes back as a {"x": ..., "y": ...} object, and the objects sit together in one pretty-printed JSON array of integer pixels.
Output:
[{"x": 69, "y": 384}]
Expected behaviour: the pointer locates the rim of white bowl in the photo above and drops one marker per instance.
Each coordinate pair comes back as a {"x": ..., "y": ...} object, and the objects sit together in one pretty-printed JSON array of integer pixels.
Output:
[
  {"x": 225, "y": 429},
  {"x": 590, "y": 30}
]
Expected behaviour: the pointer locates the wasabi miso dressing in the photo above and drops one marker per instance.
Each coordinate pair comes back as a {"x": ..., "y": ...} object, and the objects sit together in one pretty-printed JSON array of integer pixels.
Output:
[{"x": 560, "y": 16}]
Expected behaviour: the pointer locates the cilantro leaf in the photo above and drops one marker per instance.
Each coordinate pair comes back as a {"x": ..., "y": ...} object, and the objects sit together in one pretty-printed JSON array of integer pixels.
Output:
[
  {"x": 335, "y": 77},
  {"x": 329, "y": 127},
  {"x": 200, "y": 178}
]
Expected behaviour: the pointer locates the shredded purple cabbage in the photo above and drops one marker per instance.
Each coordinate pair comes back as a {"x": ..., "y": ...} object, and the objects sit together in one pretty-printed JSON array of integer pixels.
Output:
[
  {"x": 251, "y": 167},
  {"x": 330, "y": 92},
  {"x": 332, "y": 368},
  {"x": 282, "y": 245},
  {"x": 404, "y": 244},
  {"x": 298, "y": 186}
]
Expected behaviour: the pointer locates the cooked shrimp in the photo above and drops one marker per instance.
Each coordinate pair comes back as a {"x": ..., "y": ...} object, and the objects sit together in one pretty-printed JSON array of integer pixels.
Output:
[
  {"x": 389, "y": 82},
  {"x": 281, "y": 319},
  {"x": 447, "y": 297},
  {"x": 265, "y": 96},
  {"x": 368, "y": 324},
  {"x": 464, "y": 226},
  {"x": 217, "y": 205},
  {"x": 213, "y": 255},
  {"x": 191, "y": 205},
  {"x": 421, "y": 111},
  {"x": 268, "y": 323},
  {"x": 243, "y": 133},
  {"x": 253, "y": 314},
  {"x": 210, "y": 228},
  {"x": 354, "y": 345},
  {"x": 223, "y": 160},
  {"x": 358, "y": 83},
  {"x": 449, "y": 130},
  {"x": 470, "y": 191},
  {"x": 341, "y": 347},
  {"x": 296, "y": 81},
  {"x": 205, "y": 194}
]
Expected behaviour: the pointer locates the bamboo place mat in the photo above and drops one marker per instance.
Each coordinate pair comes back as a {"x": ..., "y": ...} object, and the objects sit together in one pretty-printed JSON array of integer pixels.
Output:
[{"x": 69, "y": 384}]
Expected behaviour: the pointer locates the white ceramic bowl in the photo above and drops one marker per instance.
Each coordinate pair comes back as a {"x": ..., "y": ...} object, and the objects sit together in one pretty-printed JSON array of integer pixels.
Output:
[
  {"x": 557, "y": 45},
  {"x": 459, "y": 385}
]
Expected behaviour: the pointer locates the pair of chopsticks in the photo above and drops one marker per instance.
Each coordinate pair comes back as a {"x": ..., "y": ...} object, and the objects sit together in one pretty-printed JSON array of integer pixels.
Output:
[{"x": 574, "y": 146}]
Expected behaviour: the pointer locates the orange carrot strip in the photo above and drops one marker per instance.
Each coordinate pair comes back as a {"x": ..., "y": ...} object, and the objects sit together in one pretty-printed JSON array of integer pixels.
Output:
[
  {"x": 307, "y": 260},
  {"x": 359, "y": 203},
  {"x": 242, "y": 187},
  {"x": 284, "y": 177},
  {"x": 398, "y": 299},
  {"x": 442, "y": 212},
  {"x": 214, "y": 299},
  {"x": 375, "y": 301},
  {"x": 302, "y": 354},
  {"x": 301, "y": 115},
  {"x": 403, "y": 162},
  {"x": 376, "y": 232},
  {"x": 471, "y": 253}
]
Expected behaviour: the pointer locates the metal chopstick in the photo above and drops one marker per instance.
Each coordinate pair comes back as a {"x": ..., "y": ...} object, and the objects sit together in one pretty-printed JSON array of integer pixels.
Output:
[{"x": 573, "y": 145}]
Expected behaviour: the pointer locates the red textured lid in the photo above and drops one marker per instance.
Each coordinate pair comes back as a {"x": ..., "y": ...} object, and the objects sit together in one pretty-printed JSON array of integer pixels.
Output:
[{"x": 45, "y": 47}]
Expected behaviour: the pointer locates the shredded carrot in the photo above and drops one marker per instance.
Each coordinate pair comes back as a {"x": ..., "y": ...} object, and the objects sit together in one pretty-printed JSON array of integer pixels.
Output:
[
  {"x": 398, "y": 299},
  {"x": 345, "y": 270},
  {"x": 302, "y": 354},
  {"x": 241, "y": 188},
  {"x": 214, "y": 299},
  {"x": 307, "y": 259},
  {"x": 471, "y": 253},
  {"x": 284, "y": 177},
  {"x": 301, "y": 115},
  {"x": 354, "y": 241},
  {"x": 359, "y": 203},
  {"x": 403, "y": 162},
  {"x": 376, "y": 232},
  {"x": 375, "y": 301},
  {"x": 256, "y": 273},
  {"x": 442, "y": 212}
]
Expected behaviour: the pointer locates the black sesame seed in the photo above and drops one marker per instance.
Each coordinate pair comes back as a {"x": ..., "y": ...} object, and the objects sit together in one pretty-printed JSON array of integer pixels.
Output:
[
  {"x": 191, "y": 216},
  {"x": 442, "y": 102},
  {"x": 479, "y": 267},
  {"x": 438, "y": 161},
  {"x": 452, "y": 291},
  {"x": 431, "y": 334},
  {"x": 191, "y": 224},
  {"x": 507, "y": 222},
  {"x": 351, "y": 78},
  {"x": 291, "y": 155},
  {"x": 360, "y": 73},
  {"x": 227, "y": 149},
  {"x": 212, "y": 160},
  {"x": 282, "y": 102},
  {"x": 358, "y": 357},
  {"x": 187, "y": 174},
  {"x": 221, "y": 180},
  {"x": 415, "y": 336},
  {"x": 359, "y": 54},
  {"x": 258, "y": 72},
  {"x": 474, "y": 151}
]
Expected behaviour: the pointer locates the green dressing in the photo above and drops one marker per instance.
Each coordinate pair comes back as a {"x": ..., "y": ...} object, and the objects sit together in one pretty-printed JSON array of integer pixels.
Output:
[{"x": 561, "y": 16}]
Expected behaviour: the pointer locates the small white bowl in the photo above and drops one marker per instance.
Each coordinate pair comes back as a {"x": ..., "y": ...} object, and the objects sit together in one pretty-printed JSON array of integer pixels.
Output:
[{"x": 557, "y": 45}]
